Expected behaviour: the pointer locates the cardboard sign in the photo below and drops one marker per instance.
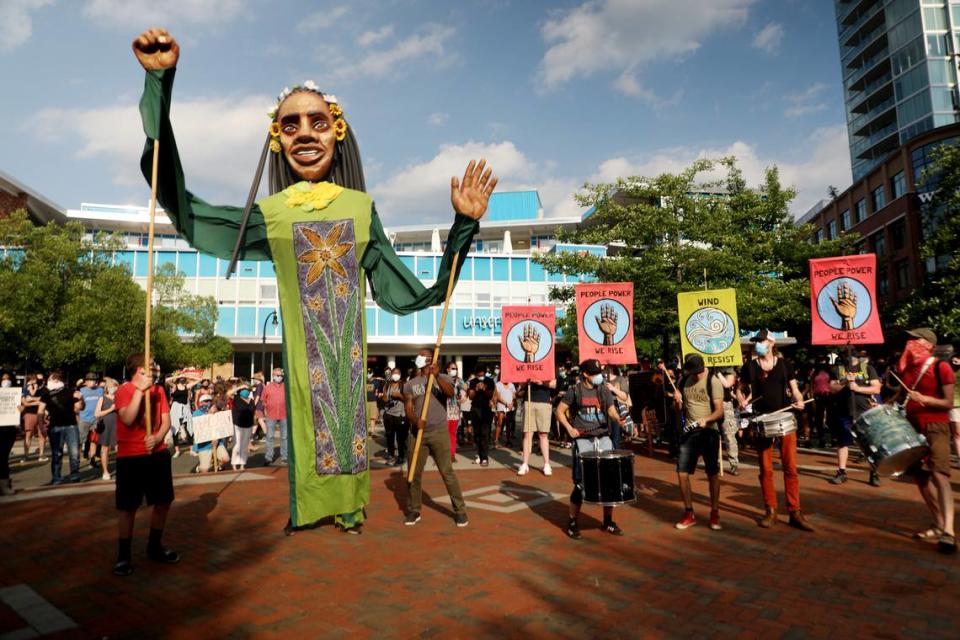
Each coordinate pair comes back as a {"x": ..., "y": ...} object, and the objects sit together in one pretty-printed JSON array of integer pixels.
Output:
[
  {"x": 605, "y": 322},
  {"x": 843, "y": 300},
  {"x": 213, "y": 426},
  {"x": 9, "y": 401},
  {"x": 708, "y": 326},
  {"x": 527, "y": 344}
]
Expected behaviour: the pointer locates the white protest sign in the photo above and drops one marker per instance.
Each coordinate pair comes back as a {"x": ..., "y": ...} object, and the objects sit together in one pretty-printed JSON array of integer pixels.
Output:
[
  {"x": 9, "y": 401},
  {"x": 213, "y": 426}
]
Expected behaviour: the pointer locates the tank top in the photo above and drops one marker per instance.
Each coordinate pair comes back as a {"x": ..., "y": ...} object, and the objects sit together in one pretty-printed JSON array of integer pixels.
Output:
[
  {"x": 179, "y": 395},
  {"x": 109, "y": 420}
]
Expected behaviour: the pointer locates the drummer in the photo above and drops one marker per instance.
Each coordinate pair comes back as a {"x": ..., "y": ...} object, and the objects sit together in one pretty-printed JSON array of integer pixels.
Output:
[
  {"x": 771, "y": 381},
  {"x": 852, "y": 386},
  {"x": 700, "y": 397},
  {"x": 593, "y": 409}
]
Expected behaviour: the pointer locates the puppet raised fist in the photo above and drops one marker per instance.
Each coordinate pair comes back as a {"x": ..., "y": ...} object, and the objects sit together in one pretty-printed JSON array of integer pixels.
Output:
[{"x": 156, "y": 49}]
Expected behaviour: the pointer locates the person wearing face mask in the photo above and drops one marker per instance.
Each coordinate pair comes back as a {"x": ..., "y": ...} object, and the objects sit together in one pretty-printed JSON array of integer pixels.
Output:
[
  {"x": 32, "y": 424},
  {"x": 592, "y": 409},
  {"x": 394, "y": 421},
  {"x": 243, "y": 410},
  {"x": 454, "y": 414},
  {"x": 274, "y": 400},
  {"x": 481, "y": 390},
  {"x": 928, "y": 389},
  {"x": 181, "y": 399},
  {"x": 60, "y": 405},
  {"x": 435, "y": 439}
]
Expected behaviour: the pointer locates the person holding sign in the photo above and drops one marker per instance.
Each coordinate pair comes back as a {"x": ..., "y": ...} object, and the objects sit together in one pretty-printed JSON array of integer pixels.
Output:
[
  {"x": 538, "y": 395},
  {"x": 853, "y": 387}
]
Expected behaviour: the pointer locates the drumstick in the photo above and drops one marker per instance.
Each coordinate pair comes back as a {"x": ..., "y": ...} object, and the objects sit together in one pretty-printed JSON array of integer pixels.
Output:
[{"x": 785, "y": 409}]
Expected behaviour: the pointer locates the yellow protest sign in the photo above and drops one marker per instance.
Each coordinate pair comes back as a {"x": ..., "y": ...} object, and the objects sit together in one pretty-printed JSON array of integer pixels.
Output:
[{"x": 708, "y": 326}]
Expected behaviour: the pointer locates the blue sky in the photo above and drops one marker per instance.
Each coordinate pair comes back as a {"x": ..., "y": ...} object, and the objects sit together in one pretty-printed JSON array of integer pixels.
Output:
[{"x": 554, "y": 94}]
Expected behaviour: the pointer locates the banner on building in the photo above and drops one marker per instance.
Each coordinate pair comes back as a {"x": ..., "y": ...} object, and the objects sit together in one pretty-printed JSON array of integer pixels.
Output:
[
  {"x": 9, "y": 401},
  {"x": 213, "y": 426},
  {"x": 605, "y": 322},
  {"x": 708, "y": 326},
  {"x": 843, "y": 300},
  {"x": 527, "y": 344}
]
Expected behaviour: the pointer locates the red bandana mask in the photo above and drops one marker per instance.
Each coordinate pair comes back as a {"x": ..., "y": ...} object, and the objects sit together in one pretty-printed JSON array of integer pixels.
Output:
[{"x": 914, "y": 355}]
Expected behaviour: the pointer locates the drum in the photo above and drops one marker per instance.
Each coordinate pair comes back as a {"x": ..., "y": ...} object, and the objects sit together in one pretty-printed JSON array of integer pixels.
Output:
[
  {"x": 888, "y": 441},
  {"x": 607, "y": 477},
  {"x": 775, "y": 425}
]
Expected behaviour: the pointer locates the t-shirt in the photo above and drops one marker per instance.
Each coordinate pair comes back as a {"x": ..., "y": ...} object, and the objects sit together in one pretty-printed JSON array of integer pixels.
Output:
[
  {"x": 274, "y": 400},
  {"x": 243, "y": 412},
  {"x": 483, "y": 388},
  {"x": 918, "y": 414},
  {"x": 841, "y": 405},
  {"x": 60, "y": 406},
  {"x": 770, "y": 388},
  {"x": 437, "y": 411},
  {"x": 506, "y": 391},
  {"x": 393, "y": 406},
  {"x": 130, "y": 436},
  {"x": 90, "y": 397},
  {"x": 589, "y": 414},
  {"x": 696, "y": 401},
  {"x": 539, "y": 393},
  {"x": 453, "y": 403},
  {"x": 31, "y": 408},
  {"x": 374, "y": 385}
]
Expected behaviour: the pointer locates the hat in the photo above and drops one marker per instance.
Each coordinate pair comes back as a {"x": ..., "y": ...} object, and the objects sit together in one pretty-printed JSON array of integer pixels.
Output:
[
  {"x": 591, "y": 367},
  {"x": 206, "y": 398},
  {"x": 694, "y": 364},
  {"x": 91, "y": 376},
  {"x": 762, "y": 336},
  {"x": 925, "y": 333}
]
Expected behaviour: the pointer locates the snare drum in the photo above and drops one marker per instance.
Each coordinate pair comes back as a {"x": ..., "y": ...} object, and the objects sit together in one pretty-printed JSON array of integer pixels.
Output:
[
  {"x": 775, "y": 425},
  {"x": 607, "y": 477},
  {"x": 888, "y": 441}
]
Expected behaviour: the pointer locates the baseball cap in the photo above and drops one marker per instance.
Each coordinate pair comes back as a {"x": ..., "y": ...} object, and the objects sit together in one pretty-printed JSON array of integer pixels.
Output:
[
  {"x": 206, "y": 398},
  {"x": 591, "y": 367},
  {"x": 925, "y": 333},
  {"x": 694, "y": 364},
  {"x": 762, "y": 336},
  {"x": 90, "y": 376}
]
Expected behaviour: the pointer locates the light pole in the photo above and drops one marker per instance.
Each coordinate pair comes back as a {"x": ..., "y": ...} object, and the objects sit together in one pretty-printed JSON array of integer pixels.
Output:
[{"x": 263, "y": 348}]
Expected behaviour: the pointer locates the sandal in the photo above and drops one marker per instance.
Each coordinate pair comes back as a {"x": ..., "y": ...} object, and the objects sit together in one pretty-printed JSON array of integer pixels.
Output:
[
  {"x": 947, "y": 543},
  {"x": 928, "y": 534}
]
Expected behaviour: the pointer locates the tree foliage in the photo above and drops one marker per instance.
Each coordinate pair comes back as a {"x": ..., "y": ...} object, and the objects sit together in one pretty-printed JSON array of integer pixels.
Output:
[
  {"x": 63, "y": 304},
  {"x": 677, "y": 232}
]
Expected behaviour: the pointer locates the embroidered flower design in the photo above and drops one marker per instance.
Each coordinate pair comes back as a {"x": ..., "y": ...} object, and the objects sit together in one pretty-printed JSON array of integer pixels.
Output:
[
  {"x": 323, "y": 436},
  {"x": 326, "y": 252},
  {"x": 317, "y": 377},
  {"x": 342, "y": 290},
  {"x": 312, "y": 197},
  {"x": 356, "y": 352},
  {"x": 328, "y": 462},
  {"x": 315, "y": 304},
  {"x": 359, "y": 446}
]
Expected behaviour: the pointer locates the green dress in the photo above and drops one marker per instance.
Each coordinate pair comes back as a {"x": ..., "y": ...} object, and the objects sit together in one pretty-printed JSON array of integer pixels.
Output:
[{"x": 325, "y": 242}]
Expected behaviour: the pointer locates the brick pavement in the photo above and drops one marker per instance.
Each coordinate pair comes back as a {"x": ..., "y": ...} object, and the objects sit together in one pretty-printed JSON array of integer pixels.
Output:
[{"x": 510, "y": 573}]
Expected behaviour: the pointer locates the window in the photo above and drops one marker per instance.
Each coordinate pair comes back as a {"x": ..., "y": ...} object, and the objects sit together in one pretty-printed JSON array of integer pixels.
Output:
[
  {"x": 903, "y": 32},
  {"x": 861, "y": 211},
  {"x": 903, "y": 274},
  {"x": 938, "y": 44},
  {"x": 914, "y": 108},
  {"x": 898, "y": 185},
  {"x": 911, "y": 82},
  {"x": 879, "y": 197},
  {"x": 883, "y": 282},
  {"x": 832, "y": 230},
  {"x": 818, "y": 236},
  {"x": 935, "y": 18},
  {"x": 845, "y": 220},
  {"x": 942, "y": 72},
  {"x": 879, "y": 244},
  {"x": 898, "y": 232},
  {"x": 908, "y": 56},
  {"x": 943, "y": 99}
]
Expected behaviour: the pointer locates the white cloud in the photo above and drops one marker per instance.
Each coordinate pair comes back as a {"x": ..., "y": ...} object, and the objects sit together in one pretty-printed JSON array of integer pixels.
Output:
[
  {"x": 431, "y": 41},
  {"x": 368, "y": 38},
  {"x": 623, "y": 35},
  {"x": 137, "y": 13},
  {"x": 438, "y": 119},
  {"x": 16, "y": 23},
  {"x": 218, "y": 140},
  {"x": 769, "y": 38},
  {"x": 321, "y": 20},
  {"x": 806, "y": 102}
]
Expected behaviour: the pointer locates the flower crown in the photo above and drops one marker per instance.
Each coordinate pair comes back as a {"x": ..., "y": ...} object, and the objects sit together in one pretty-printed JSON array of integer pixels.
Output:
[{"x": 339, "y": 124}]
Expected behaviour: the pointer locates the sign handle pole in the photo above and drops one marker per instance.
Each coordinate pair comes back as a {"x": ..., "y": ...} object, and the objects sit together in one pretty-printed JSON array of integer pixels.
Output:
[
  {"x": 148, "y": 315},
  {"x": 526, "y": 410}
]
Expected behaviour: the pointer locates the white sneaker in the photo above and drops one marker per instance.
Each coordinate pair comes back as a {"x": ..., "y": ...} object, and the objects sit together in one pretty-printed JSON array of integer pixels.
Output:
[
  {"x": 547, "y": 470},
  {"x": 476, "y": 460},
  {"x": 524, "y": 468},
  {"x": 106, "y": 476},
  {"x": 176, "y": 453}
]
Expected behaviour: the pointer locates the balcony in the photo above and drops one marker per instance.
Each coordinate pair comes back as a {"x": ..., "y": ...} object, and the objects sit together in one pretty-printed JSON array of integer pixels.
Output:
[
  {"x": 864, "y": 144},
  {"x": 872, "y": 90},
  {"x": 858, "y": 124},
  {"x": 865, "y": 43},
  {"x": 864, "y": 18},
  {"x": 870, "y": 64}
]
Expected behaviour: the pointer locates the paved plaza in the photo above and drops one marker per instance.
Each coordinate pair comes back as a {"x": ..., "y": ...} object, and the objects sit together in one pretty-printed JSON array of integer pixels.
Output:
[{"x": 511, "y": 573}]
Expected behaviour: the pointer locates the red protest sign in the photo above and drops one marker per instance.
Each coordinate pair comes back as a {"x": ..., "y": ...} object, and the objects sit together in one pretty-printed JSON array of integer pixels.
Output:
[
  {"x": 605, "y": 322},
  {"x": 527, "y": 344},
  {"x": 843, "y": 300}
]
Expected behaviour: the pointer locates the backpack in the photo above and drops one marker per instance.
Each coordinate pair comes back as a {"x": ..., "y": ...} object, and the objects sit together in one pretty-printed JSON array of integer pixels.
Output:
[{"x": 711, "y": 374}]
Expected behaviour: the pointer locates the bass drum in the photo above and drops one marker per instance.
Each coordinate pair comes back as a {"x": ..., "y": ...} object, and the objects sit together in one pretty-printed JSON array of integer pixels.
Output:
[
  {"x": 889, "y": 442},
  {"x": 607, "y": 477}
]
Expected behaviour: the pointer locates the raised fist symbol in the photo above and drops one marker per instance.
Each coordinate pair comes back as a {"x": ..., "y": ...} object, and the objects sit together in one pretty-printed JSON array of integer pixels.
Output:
[
  {"x": 845, "y": 305},
  {"x": 607, "y": 321},
  {"x": 529, "y": 342}
]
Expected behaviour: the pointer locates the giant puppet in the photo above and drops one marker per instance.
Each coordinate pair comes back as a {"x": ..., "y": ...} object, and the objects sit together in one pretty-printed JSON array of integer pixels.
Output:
[{"x": 323, "y": 235}]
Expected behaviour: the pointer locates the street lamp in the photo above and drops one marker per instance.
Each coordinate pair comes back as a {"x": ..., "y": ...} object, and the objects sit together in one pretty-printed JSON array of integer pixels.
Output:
[{"x": 263, "y": 348}]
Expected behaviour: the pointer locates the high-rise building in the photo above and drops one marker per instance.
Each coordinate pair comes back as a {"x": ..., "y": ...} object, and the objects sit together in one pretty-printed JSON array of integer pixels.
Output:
[{"x": 899, "y": 64}]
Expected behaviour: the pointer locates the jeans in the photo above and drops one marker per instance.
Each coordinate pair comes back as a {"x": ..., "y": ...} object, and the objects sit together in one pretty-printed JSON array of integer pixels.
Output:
[
  {"x": 395, "y": 428},
  {"x": 58, "y": 435},
  {"x": 436, "y": 443},
  {"x": 271, "y": 425},
  {"x": 481, "y": 437}
]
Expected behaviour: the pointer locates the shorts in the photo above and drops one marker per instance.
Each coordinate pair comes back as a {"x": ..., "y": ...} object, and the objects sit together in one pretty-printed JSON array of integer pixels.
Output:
[
  {"x": 955, "y": 414},
  {"x": 697, "y": 443},
  {"x": 85, "y": 428},
  {"x": 540, "y": 415},
  {"x": 841, "y": 430},
  {"x": 938, "y": 438},
  {"x": 140, "y": 477},
  {"x": 373, "y": 412}
]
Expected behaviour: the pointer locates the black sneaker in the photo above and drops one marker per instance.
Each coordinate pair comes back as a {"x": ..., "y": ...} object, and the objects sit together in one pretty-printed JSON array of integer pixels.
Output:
[
  {"x": 163, "y": 555},
  {"x": 874, "y": 479},
  {"x": 412, "y": 518},
  {"x": 573, "y": 531},
  {"x": 461, "y": 519},
  {"x": 122, "y": 568},
  {"x": 840, "y": 478},
  {"x": 612, "y": 528},
  {"x": 947, "y": 544}
]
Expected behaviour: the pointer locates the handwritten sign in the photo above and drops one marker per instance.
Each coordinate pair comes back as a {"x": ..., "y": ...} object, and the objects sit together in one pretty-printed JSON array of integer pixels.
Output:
[
  {"x": 213, "y": 426},
  {"x": 9, "y": 401}
]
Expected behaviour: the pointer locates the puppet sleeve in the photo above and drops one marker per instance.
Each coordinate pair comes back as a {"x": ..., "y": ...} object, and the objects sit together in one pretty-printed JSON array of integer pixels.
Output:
[
  {"x": 392, "y": 285},
  {"x": 208, "y": 228}
]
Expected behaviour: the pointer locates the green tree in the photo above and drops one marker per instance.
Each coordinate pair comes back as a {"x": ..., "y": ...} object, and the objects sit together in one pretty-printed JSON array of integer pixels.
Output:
[
  {"x": 677, "y": 232},
  {"x": 938, "y": 304}
]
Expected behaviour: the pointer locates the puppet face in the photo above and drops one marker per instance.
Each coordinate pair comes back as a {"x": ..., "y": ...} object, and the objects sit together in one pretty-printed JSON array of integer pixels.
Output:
[{"x": 307, "y": 137}]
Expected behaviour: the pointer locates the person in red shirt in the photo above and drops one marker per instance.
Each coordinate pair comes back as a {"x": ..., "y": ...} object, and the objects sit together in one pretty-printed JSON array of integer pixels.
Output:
[
  {"x": 928, "y": 386},
  {"x": 275, "y": 412},
  {"x": 143, "y": 463}
]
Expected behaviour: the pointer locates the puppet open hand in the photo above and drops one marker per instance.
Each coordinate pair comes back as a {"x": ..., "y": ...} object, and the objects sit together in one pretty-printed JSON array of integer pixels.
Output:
[
  {"x": 471, "y": 195},
  {"x": 845, "y": 305},
  {"x": 156, "y": 49}
]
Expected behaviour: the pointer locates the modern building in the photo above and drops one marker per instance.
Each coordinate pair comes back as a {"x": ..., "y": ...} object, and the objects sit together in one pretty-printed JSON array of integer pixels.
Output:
[
  {"x": 499, "y": 271},
  {"x": 15, "y": 195},
  {"x": 899, "y": 67}
]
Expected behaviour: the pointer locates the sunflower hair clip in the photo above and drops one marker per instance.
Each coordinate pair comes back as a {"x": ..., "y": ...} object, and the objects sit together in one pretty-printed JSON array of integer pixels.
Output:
[{"x": 339, "y": 124}]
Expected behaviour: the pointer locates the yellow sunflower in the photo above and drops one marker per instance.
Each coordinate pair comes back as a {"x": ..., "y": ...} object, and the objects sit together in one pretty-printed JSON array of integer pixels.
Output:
[
  {"x": 275, "y": 146},
  {"x": 274, "y": 129},
  {"x": 310, "y": 197},
  {"x": 335, "y": 110},
  {"x": 356, "y": 352},
  {"x": 340, "y": 127},
  {"x": 326, "y": 252}
]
